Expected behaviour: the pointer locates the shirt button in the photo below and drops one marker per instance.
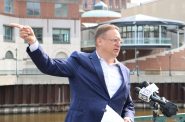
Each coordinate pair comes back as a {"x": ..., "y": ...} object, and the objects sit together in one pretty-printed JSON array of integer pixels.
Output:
[{"x": 104, "y": 109}]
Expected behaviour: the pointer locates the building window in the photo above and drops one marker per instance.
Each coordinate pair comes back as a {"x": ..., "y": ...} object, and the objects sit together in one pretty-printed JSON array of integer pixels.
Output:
[
  {"x": 8, "y": 6},
  {"x": 164, "y": 31},
  {"x": 33, "y": 9},
  {"x": 85, "y": 4},
  {"x": 61, "y": 10},
  {"x": 8, "y": 33},
  {"x": 9, "y": 55},
  {"x": 156, "y": 31},
  {"x": 140, "y": 31},
  {"x": 117, "y": 4},
  {"x": 94, "y": 2},
  {"x": 147, "y": 31},
  {"x": 110, "y": 4},
  {"x": 124, "y": 32},
  {"x": 129, "y": 31},
  {"x": 61, "y": 36},
  {"x": 39, "y": 34}
]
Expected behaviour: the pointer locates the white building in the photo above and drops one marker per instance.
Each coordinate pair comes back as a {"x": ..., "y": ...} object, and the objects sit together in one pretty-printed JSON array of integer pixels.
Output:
[
  {"x": 57, "y": 28},
  {"x": 58, "y": 37}
]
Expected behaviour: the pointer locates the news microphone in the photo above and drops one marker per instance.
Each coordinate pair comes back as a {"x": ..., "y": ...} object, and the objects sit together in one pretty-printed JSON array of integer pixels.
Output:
[
  {"x": 145, "y": 84},
  {"x": 147, "y": 95}
]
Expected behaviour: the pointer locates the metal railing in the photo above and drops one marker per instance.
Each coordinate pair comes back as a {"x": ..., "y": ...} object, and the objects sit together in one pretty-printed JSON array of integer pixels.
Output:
[
  {"x": 176, "y": 118},
  {"x": 147, "y": 41},
  {"x": 133, "y": 42},
  {"x": 21, "y": 72},
  {"x": 132, "y": 72}
]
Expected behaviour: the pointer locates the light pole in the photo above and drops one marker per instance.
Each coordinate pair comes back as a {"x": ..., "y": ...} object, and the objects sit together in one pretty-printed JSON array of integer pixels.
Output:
[
  {"x": 170, "y": 55},
  {"x": 16, "y": 72},
  {"x": 137, "y": 65}
]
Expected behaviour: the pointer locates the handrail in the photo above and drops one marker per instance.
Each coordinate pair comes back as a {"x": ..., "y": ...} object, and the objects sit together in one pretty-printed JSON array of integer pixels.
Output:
[
  {"x": 178, "y": 118},
  {"x": 147, "y": 72},
  {"x": 131, "y": 41},
  {"x": 147, "y": 41}
]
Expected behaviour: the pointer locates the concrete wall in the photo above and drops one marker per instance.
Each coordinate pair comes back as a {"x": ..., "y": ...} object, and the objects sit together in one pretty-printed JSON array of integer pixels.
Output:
[{"x": 169, "y": 9}]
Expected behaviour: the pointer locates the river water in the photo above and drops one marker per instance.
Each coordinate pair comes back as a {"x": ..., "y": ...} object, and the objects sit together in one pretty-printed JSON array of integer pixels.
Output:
[{"x": 56, "y": 117}]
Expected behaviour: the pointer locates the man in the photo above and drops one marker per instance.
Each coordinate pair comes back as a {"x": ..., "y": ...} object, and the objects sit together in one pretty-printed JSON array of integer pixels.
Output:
[{"x": 97, "y": 80}]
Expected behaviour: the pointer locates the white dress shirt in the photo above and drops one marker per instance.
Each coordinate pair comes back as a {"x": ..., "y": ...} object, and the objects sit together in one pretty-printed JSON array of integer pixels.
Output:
[
  {"x": 113, "y": 81},
  {"x": 34, "y": 46},
  {"x": 113, "y": 78}
]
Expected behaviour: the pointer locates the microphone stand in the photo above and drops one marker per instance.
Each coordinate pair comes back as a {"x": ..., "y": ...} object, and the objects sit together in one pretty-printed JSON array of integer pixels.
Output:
[{"x": 156, "y": 110}]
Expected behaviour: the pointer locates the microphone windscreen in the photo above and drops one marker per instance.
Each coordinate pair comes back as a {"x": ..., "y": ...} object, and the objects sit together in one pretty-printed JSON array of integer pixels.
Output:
[
  {"x": 169, "y": 109},
  {"x": 145, "y": 84}
]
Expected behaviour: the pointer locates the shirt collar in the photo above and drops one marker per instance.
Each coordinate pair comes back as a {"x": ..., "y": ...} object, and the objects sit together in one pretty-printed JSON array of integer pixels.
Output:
[{"x": 101, "y": 59}]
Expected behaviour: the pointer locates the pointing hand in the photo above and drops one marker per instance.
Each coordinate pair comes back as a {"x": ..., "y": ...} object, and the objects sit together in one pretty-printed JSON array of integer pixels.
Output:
[{"x": 25, "y": 32}]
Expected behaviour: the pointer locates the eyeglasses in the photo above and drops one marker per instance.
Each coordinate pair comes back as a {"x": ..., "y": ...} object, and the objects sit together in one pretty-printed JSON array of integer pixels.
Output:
[{"x": 115, "y": 40}]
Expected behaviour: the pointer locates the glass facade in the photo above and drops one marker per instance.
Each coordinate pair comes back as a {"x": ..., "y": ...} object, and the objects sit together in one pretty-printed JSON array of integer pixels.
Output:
[{"x": 144, "y": 34}]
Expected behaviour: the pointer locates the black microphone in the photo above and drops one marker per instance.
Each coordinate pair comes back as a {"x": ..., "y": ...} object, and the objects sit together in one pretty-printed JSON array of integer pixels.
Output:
[{"x": 145, "y": 84}]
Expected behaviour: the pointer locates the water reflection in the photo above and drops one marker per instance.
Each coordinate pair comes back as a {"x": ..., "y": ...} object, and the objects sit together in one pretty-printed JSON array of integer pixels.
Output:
[
  {"x": 40, "y": 117},
  {"x": 56, "y": 117},
  {"x": 145, "y": 112}
]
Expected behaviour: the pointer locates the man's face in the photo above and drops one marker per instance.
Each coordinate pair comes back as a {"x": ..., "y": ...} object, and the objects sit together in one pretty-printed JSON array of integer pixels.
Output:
[{"x": 110, "y": 43}]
